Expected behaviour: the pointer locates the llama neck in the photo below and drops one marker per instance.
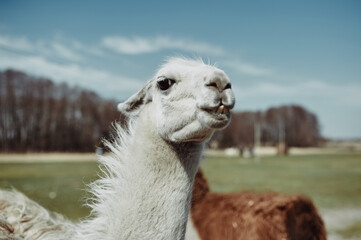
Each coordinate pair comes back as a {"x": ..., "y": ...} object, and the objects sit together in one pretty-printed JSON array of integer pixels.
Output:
[
  {"x": 147, "y": 193},
  {"x": 200, "y": 189}
]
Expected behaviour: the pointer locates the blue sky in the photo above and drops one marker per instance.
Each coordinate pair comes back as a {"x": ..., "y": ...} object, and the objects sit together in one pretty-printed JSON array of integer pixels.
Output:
[{"x": 275, "y": 52}]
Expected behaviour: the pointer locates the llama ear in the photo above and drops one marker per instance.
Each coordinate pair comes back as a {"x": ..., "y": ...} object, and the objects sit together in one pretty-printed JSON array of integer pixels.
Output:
[{"x": 134, "y": 104}]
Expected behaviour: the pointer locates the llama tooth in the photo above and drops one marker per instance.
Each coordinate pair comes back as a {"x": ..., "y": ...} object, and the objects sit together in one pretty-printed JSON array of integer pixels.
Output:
[{"x": 220, "y": 109}]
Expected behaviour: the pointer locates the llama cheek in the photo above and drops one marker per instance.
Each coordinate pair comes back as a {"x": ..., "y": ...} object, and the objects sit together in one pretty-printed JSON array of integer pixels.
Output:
[
  {"x": 175, "y": 129},
  {"x": 208, "y": 98}
]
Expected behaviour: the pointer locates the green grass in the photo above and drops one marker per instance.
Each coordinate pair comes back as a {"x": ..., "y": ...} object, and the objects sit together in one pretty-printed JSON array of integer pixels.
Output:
[
  {"x": 330, "y": 180},
  {"x": 39, "y": 180}
]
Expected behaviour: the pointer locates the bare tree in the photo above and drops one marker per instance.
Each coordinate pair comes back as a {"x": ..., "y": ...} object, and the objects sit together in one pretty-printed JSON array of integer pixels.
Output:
[
  {"x": 286, "y": 125},
  {"x": 37, "y": 115}
]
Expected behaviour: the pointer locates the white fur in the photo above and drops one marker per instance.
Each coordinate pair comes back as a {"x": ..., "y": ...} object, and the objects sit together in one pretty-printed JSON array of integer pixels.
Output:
[{"x": 148, "y": 177}]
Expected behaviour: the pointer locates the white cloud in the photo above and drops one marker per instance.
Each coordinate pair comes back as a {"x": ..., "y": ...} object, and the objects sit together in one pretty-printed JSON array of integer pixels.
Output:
[
  {"x": 69, "y": 50},
  {"x": 141, "y": 45},
  {"x": 16, "y": 43},
  {"x": 248, "y": 69},
  {"x": 93, "y": 50},
  {"x": 65, "y": 52},
  {"x": 99, "y": 80}
]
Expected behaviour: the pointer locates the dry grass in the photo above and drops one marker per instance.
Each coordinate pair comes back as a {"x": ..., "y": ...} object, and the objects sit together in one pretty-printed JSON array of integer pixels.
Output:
[{"x": 46, "y": 157}]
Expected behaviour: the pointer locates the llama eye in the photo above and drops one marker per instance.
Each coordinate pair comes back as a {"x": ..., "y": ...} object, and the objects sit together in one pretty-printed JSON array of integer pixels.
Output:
[{"x": 165, "y": 84}]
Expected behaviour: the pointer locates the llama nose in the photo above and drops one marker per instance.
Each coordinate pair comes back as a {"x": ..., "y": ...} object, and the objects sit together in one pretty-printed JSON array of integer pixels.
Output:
[{"x": 228, "y": 99}]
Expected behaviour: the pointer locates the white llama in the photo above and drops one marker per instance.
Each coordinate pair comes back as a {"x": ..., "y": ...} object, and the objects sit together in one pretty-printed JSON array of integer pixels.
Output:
[{"x": 147, "y": 187}]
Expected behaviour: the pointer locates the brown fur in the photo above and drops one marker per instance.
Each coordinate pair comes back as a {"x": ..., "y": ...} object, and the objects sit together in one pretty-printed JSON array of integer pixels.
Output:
[{"x": 253, "y": 216}]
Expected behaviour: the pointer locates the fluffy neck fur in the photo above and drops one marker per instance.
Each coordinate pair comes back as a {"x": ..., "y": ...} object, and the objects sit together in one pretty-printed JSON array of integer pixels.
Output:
[{"x": 147, "y": 187}]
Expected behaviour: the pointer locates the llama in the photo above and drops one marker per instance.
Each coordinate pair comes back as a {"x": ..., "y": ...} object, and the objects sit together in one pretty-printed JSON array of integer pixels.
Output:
[
  {"x": 148, "y": 178},
  {"x": 256, "y": 216}
]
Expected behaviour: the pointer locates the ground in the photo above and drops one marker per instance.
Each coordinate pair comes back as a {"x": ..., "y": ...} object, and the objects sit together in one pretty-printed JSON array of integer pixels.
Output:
[{"x": 331, "y": 179}]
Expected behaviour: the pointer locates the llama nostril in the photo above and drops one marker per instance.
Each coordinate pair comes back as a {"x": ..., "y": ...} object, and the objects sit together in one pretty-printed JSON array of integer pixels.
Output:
[
  {"x": 219, "y": 84},
  {"x": 212, "y": 84},
  {"x": 228, "y": 86}
]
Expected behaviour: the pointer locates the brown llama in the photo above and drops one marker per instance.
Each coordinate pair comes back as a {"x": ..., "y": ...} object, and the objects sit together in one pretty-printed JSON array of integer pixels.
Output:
[{"x": 253, "y": 216}]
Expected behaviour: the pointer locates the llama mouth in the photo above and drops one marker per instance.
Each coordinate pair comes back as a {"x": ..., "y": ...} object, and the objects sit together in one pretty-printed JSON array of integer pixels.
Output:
[{"x": 220, "y": 112}]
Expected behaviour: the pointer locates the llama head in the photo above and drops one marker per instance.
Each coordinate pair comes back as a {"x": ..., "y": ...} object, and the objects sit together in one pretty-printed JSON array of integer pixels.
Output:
[{"x": 188, "y": 100}]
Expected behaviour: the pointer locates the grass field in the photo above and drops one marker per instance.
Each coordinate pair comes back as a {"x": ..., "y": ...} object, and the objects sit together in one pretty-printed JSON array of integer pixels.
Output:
[
  {"x": 333, "y": 181},
  {"x": 330, "y": 180}
]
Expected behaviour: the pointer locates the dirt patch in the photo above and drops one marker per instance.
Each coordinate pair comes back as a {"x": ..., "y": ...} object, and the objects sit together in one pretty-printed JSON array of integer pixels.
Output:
[{"x": 337, "y": 220}]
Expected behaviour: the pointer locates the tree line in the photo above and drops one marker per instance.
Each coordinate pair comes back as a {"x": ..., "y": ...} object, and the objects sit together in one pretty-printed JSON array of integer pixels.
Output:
[
  {"x": 39, "y": 115},
  {"x": 291, "y": 125}
]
